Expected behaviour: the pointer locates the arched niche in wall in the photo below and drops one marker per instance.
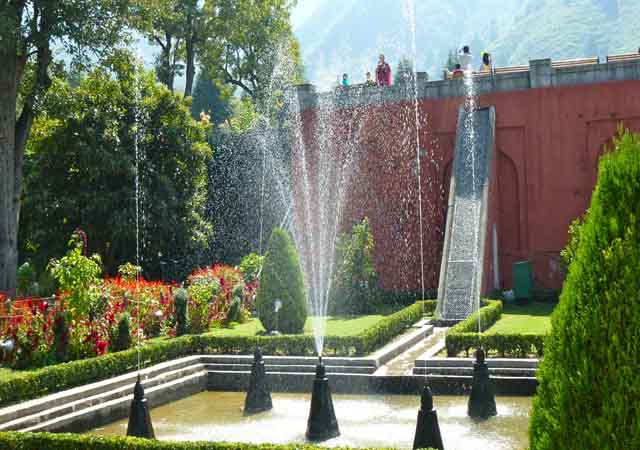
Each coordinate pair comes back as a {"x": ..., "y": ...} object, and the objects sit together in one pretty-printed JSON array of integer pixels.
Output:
[{"x": 509, "y": 230}]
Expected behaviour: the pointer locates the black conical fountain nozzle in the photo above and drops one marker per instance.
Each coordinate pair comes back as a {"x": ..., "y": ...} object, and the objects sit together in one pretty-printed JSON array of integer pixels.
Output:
[
  {"x": 139, "y": 418},
  {"x": 482, "y": 401},
  {"x": 259, "y": 393},
  {"x": 322, "y": 423},
  {"x": 427, "y": 427}
]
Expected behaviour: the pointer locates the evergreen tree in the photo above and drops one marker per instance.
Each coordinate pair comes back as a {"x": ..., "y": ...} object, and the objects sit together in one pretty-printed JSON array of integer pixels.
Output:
[
  {"x": 207, "y": 98},
  {"x": 282, "y": 280}
]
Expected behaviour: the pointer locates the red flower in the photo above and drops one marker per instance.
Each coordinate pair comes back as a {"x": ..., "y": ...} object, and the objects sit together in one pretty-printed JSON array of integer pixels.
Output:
[{"x": 101, "y": 347}]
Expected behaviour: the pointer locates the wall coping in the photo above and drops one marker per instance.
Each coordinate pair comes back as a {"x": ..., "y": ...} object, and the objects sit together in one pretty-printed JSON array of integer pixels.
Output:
[{"x": 539, "y": 73}]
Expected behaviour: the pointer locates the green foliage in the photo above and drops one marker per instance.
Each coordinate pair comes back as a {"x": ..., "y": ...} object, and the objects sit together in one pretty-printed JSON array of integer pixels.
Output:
[
  {"x": 235, "y": 196},
  {"x": 95, "y": 125},
  {"x": 568, "y": 254},
  {"x": 463, "y": 337},
  {"x": 121, "y": 340},
  {"x": 36, "y": 383},
  {"x": 355, "y": 286},
  {"x": 235, "y": 311},
  {"x": 78, "y": 275},
  {"x": 282, "y": 280},
  {"x": 251, "y": 266},
  {"x": 208, "y": 98},
  {"x": 591, "y": 355},
  {"x": 180, "y": 303},
  {"x": 61, "y": 337},
  {"x": 129, "y": 271},
  {"x": 248, "y": 41},
  {"x": 50, "y": 441},
  {"x": 26, "y": 278}
]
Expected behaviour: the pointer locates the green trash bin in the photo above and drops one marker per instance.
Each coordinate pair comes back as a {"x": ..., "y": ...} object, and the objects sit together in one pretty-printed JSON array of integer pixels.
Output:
[{"x": 522, "y": 280}]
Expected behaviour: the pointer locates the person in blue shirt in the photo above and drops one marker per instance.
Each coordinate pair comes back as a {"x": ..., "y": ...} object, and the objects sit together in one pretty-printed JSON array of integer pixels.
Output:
[{"x": 345, "y": 80}]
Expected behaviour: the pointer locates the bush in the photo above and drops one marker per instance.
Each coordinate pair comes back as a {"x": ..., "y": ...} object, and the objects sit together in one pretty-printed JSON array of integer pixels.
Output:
[
  {"x": 121, "y": 339},
  {"x": 50, "y": 441},
  {"x": 61, "y": 336},
  {"x": 355, "y": 286},
  {"x": 251, "y": 266},
  {"x": 36, "y": 383},
  {"x": 588, "y": 382},
  {"x": 180, "y": 302},
  {"x": 282, "y": 279}
]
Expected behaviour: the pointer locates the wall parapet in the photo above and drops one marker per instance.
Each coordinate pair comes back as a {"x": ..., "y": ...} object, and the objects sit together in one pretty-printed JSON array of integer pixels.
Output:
[{"x": 539, "y": 73}]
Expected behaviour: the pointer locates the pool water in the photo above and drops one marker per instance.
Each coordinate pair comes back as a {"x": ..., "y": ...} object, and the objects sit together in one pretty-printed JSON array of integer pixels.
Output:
[{"x": 365, "y": 421}]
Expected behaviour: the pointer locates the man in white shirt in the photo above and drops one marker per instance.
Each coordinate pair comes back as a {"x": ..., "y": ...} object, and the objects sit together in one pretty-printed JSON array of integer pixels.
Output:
[{"x": 464, "y": 58}]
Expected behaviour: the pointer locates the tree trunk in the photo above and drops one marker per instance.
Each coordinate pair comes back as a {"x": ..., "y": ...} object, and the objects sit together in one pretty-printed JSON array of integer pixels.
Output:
[
  {"x": 191, "y": 65},
  {"x": 9, "y": 210}
]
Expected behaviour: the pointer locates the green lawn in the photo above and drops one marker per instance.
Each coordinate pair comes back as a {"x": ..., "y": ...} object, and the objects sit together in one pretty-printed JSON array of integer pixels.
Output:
[
  {"x": 531, "y": 318},
  {"x": 336, "y": 326}
]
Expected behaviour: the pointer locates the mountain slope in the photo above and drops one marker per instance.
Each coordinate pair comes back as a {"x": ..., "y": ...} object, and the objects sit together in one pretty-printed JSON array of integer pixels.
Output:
[{"x": 347, "y": 35}]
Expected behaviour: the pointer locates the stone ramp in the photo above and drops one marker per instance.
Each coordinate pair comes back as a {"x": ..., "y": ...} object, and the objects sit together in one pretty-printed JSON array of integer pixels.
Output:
[{"x": 461, "y": 269}]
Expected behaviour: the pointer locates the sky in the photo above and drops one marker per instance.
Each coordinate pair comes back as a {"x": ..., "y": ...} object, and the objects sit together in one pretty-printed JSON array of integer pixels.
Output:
[{"x": 303, "y": 10}]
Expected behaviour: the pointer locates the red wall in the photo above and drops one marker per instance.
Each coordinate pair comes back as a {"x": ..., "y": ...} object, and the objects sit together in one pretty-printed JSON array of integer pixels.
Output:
[{"x": 547, "y": 146}]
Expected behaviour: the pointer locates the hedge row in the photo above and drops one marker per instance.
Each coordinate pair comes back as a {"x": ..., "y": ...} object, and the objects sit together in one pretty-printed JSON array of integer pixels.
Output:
[
  {"x": 37, "y": 383},
  {"x": 464, "y": 337},
  {"x": 49, "y": 441}
]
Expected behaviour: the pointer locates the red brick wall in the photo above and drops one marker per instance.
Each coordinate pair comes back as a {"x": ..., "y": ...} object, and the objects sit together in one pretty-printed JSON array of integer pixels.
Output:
[{"x": 547, "y": 146}]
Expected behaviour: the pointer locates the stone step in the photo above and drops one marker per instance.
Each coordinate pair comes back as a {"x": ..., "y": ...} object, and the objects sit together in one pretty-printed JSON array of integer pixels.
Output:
[
  {"x": 62, "y": 398},
  {"x": 291, "y": 368},
  {"x": 499, "y": 371},
  {"x": 102, "y": 398},
  {"x": 109, "y": 411},
  {"x": 521, "y": 363},
  {"x": 289, "y": 360}
]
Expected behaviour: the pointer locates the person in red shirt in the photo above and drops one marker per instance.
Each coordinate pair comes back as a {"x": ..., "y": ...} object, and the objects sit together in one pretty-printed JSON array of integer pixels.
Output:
[{"x": 383, "y": 73}]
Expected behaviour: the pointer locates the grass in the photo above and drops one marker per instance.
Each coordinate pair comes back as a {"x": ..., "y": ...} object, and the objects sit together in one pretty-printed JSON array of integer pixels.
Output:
[
  {"x": 530, "y": 318},
  {"x": 336, "y": 326}
]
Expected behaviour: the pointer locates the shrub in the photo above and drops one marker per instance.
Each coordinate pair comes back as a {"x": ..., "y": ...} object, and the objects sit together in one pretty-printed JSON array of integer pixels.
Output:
[
  {"x": 235, "y": 311},
  {"x": 26, "y": 277},
  {"x": 61, "y": 336},
  {"x": 51, "y": 441},
  {"x": 568, "y": 254},
  {"x": 282, "y": 279},
  {"x": 588, "y": 382},
  {"x": 251, "y": 266},
  {"x": 180, "y": 302},
  {"x": 355, "y": 285},
  {"x": 121, "y": 339},
  {"x": 77, "y": 275}
]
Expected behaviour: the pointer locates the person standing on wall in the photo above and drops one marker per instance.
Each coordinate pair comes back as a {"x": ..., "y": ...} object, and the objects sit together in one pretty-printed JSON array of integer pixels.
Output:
[
  {"x": 383, "y": 73},
  {"x": 486, "y": 65},
  {"x": 464, "y": 58}
]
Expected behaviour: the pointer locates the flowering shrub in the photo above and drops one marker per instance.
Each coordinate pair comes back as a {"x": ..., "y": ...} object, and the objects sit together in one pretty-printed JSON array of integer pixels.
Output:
[{"x": 212, "y": 291}]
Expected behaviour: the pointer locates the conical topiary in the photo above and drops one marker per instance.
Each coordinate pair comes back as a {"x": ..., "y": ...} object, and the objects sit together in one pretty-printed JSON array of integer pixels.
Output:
[
  {"x": 589, "y": 389},
  {"x": 282, "y": 280}
]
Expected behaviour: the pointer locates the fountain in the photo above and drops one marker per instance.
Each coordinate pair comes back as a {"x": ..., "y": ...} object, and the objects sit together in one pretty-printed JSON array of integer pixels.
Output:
[
  {"x": 259, "y": 394},
  {"x": 427, "y": 428},
  {"x": 139, "y": 418},
  {"x": 322, "y": 423},
  {"x": 482, "y": 401}
]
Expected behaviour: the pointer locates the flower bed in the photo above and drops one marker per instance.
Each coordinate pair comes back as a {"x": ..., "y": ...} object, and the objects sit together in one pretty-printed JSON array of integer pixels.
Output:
[
  {"x": 36, "y": 383},
  {"x": 116, "y": 313}
]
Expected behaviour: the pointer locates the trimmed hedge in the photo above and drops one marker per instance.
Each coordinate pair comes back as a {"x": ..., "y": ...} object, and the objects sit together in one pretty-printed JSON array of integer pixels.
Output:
[
  {"x": 49, "y": 441},
  {"x": 464, "y": 337},
  {"x": 37, "y": 383},
  {"x": 282, "y": 280},
  {"x": 589, "y": 389}
]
